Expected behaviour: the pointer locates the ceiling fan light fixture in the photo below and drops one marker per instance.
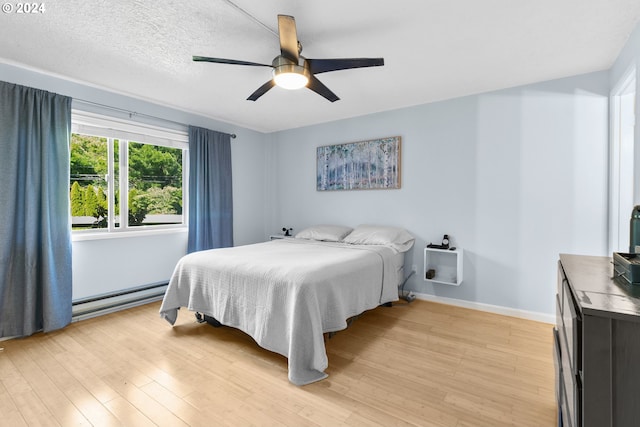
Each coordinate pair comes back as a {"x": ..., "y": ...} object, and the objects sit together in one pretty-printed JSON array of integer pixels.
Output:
[
  {"x": 291, "y": 70},
  {"x": 290, "y": 81},
  {"x": 289, "y": 75}
]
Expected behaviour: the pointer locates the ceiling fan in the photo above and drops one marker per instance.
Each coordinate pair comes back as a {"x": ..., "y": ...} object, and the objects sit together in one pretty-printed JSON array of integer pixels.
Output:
[{"x": 292, "y": 70}]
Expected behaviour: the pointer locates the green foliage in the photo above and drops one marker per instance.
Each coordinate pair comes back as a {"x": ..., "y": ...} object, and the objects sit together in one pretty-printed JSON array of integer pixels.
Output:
[
  {"x": 138, "y": 207},
  {"x": 102, "y": 198},
  {"x": 101, "y": 216},
  {"x": 167, "y": 200},
  {"x": 90, "y": 201},
  {"x": 88, "y": 158},
  {"x": 155, "y": 179},
  {"x": 176, "y": 201},
  {"x": 154, "y": 166},
  {"x": 95, "y": 205},
  {"x": 77, "y": 200}
]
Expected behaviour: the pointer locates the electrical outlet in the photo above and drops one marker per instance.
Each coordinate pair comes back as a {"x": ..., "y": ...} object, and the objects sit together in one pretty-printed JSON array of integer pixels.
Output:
[{"x": 414, "y": 268}]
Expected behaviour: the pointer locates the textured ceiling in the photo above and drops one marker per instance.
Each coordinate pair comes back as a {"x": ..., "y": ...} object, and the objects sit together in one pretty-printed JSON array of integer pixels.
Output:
[{"x": 433, "y": 50}]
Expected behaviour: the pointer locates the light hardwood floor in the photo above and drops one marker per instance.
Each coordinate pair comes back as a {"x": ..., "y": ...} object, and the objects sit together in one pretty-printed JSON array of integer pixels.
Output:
[{"x": 422, "y": 364}]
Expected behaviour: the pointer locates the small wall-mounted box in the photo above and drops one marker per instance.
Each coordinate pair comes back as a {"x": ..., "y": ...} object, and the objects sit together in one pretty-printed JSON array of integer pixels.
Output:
[{"x": 443, "y": 266}]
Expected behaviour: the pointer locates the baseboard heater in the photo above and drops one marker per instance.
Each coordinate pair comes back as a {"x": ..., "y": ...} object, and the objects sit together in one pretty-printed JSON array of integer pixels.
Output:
[{"x": 115, "y": 301}]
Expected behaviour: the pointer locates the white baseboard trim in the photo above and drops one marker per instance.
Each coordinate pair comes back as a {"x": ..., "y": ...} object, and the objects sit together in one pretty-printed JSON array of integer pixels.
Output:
[{"x": 505, "y": 311}]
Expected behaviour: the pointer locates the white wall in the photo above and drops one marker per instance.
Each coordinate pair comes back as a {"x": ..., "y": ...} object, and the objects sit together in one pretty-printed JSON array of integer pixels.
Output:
[
  {"x": 514, "y": 176},
  {"x": 107, "y": 265},
  {"x": 110, "y": 265}
]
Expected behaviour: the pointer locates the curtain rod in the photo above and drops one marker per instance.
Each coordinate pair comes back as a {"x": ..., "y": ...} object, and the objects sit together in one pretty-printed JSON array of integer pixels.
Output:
[{"x": 133, "y": 113}]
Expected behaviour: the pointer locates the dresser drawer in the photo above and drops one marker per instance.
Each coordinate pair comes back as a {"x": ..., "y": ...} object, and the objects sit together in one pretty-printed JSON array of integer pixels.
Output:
[
  {"x": 572, "y": 389},
  {"x": 571, "y": 332},
  {"x": 561, "y": 286},
  {"x": 557, "y": 364},
  {"x": 564, "y": 412},
  {"x": 559, "y": 321},
  {"x": 562, "y": 407}
]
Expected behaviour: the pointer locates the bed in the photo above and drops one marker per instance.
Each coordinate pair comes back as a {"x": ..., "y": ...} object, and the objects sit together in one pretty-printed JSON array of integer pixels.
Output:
[{"x": 288, "y": 292}]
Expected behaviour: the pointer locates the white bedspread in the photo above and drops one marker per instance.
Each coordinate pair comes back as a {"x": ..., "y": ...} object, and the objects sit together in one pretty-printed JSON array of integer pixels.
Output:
[{"x": 285, "y": 293}]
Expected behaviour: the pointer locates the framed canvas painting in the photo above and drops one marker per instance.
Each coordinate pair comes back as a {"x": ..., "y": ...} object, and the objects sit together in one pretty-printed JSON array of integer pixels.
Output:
[{"x": 364, "y": 165}]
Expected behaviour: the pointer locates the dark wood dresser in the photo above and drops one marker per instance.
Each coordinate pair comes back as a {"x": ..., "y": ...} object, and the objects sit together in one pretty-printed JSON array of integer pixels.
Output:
[{"x": 597, "y": 345}]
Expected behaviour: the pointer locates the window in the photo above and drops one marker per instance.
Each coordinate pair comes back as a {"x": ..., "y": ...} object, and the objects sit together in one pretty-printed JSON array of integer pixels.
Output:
[{"x": 126, "y": 176}]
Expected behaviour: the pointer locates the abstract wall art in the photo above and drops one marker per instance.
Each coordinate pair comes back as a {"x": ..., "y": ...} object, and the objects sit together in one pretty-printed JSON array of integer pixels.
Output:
[{"x": 364, "y": 165}]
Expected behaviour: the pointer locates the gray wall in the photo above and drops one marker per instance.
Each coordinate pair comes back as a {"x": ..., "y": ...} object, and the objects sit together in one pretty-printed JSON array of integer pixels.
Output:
[{"x": 514, "y": 176}]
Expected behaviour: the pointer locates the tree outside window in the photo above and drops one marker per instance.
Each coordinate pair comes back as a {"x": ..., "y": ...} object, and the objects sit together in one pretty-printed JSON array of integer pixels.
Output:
[{"x": 155, "y": 187}]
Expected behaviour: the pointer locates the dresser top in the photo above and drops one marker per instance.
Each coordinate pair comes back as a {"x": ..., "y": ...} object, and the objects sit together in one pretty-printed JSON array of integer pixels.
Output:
[{"x": 597, "y": 293}]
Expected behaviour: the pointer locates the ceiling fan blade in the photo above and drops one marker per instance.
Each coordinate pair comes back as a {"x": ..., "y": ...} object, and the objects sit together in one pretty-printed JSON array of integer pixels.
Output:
[
  {"x": 288, "y": 37},
  {"x": 227, "y": 61},
  {"x": 318, "y": 87},
  {"x": 317, "y": 66},
  {"x": 261, "y": 90}
]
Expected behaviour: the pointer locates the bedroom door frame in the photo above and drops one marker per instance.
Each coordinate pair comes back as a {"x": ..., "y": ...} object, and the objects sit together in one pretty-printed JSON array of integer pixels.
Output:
[{"x": 622, "y": 160}]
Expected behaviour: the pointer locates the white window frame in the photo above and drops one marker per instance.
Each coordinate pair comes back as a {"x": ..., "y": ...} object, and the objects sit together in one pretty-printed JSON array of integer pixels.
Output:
[
  {"x": 621, "y": 162},
  {"x": 87, "y": 123}
]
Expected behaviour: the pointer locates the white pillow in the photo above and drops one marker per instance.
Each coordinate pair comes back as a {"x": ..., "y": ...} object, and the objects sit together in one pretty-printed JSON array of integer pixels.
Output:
[
  {"x": 327, "y": 233},
  {"x": 396, "y": 237}
]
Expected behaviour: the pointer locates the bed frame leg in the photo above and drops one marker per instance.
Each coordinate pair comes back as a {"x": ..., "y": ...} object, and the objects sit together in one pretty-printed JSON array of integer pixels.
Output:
[{"x": 202, "y": 318}]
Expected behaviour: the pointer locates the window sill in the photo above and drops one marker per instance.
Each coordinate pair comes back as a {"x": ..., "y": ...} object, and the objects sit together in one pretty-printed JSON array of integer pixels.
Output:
[{"x": 97, "y": 235}]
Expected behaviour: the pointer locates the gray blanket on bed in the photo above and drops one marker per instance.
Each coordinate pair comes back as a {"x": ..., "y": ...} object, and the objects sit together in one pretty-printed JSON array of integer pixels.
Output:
[{"x": 285, "y": 293}]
